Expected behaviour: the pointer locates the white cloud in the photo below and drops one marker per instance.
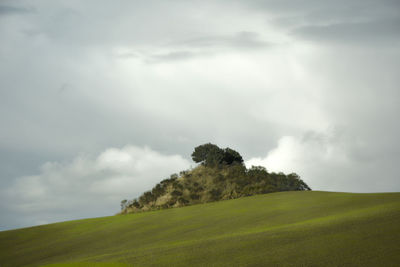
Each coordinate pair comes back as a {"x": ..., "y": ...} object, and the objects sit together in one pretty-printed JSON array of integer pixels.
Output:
[
  {"x": 331, "y": 161},
  {"x": 293, "y": 153},
  {"x": 88, "y": 185}
]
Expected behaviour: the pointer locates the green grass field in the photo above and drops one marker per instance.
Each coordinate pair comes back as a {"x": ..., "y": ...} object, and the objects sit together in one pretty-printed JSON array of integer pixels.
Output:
[{"x": 278, "y": 229}]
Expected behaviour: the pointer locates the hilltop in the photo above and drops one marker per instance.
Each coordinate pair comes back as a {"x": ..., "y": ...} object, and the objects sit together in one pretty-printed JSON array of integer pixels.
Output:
[
  {"x": 303, "y": 228},
  {"x": 221, "y": 175}
]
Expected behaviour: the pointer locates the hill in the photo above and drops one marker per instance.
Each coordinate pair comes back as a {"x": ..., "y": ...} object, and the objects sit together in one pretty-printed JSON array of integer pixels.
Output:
[
  {"x": 221, "y": 175},
  {"x": 207, "y": 184},
  {"x": 303, "y": 228}
]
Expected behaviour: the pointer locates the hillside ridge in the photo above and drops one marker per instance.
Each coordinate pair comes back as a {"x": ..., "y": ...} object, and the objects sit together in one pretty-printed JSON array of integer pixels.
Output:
[{"x": 220, "y": 175}]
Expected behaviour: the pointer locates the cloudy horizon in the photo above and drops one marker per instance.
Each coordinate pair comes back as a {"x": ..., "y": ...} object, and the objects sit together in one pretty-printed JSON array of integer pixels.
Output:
[{"x": 101, "y": 100}]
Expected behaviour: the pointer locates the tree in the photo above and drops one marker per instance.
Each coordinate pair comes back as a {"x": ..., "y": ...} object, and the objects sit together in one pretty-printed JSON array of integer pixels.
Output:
[
  {"x": 135, "y": 203},
  {"x": 123, "y": 204},
  {"x": 208, "y": 154},
  {"x": 211, "y": 155},
  {"x": 231, "y": 156}
]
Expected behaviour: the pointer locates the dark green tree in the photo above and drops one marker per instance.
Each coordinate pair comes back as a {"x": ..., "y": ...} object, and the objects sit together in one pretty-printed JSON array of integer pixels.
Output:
[
  {"x": 211, "y": 155},
  {"x": 208, "y": 154},
  {"x": 231, "y": 156}
]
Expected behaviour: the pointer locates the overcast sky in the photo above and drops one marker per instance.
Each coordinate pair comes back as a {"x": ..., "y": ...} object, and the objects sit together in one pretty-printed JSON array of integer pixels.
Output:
[{"x": 100, "y": 100}]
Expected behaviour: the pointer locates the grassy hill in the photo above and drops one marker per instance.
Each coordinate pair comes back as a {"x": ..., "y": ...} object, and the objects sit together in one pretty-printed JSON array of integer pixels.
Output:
[
  {"x": 302, "y": 228},
  {"x": 208, "y": 184},
  {"x": 220, "y": 175}
]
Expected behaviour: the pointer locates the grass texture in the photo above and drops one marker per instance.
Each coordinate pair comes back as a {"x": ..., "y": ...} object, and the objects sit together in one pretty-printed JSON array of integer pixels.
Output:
[{"x": 278, "y": 229}]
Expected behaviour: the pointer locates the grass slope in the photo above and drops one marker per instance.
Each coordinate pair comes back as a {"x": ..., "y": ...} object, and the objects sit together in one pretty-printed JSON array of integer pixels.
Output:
[{"x": 278, "y": 229}]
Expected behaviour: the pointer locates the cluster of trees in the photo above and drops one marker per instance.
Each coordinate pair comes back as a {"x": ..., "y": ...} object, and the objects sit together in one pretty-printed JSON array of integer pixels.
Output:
[{"x": 220, "y": 175}]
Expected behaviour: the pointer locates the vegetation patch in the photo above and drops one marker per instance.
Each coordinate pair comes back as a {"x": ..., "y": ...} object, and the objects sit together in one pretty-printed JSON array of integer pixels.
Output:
[{"x": 221, "y": 175}]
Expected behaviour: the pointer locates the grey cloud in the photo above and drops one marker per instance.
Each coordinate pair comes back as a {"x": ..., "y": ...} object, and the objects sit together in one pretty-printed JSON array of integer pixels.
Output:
[
  {"x": 64, "y": 87},
  {"x": 127, "y": 55},
  {"x": 201, "y": 46},
  {"x": 321, "y": 10},
  {"x": 370, "y": 32},
  {"x": 172, "y": 56},
  {"x": 244, "y": 39},
  {"x": 13, "y": 10},
  {"x": 336, "y": 21}
]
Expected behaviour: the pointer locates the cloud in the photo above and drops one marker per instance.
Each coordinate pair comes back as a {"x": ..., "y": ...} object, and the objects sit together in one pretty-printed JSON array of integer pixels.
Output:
[
  {"x": 243, "y": 39},
  {"x": 13, "y": 10},
  {"x": 170, "y": 56},
  {"x": 370, "y": 32},
  {"x": 293, "y": 153},
  {"x": 200, "y": 46},
  {"x": 368, "y": 21},
  {"x": 87, "y": 186},
  {"x": 330, "y": 161}
]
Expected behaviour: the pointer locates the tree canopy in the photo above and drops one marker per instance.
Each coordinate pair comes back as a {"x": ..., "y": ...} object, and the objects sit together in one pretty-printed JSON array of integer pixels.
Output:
[{"x": 211, "y": 155}]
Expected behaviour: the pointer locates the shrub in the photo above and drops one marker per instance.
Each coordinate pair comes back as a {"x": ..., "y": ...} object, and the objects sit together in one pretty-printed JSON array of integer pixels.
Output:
[
  {"x": 215, "y": 194},
  {"x": 176, "y": 193},
  {"x": 183, "y": 201},
  {"x": 194, "y": 196}
]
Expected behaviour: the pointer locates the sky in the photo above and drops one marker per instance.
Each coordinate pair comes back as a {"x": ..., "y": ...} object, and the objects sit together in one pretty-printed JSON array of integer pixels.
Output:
[{"x": 100, "y": 100}]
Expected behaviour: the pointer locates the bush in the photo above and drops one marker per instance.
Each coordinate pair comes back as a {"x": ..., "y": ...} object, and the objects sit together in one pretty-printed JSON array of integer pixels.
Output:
[
  {"x": 176, "y": 193},
  {"x": 215, "y": 194},
  {"x": 194, "y": 196},
  {"x": 183, "y": 201}
]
